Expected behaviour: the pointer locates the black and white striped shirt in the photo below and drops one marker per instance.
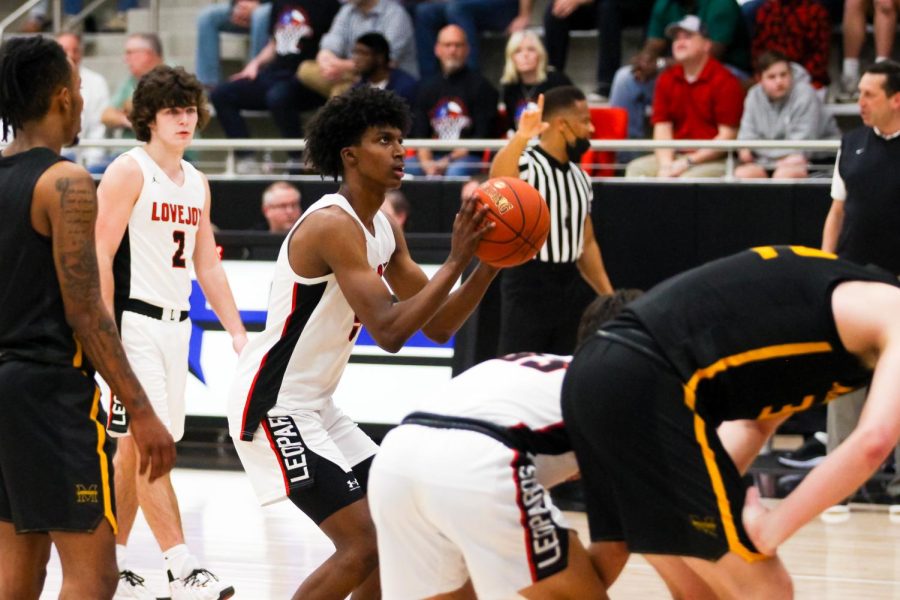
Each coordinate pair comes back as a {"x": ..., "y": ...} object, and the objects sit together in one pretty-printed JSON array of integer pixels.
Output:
[{"x": 567, "y": 190}]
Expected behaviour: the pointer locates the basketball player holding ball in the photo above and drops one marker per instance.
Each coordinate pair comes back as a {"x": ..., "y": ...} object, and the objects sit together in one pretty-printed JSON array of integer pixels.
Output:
[
  {"x": 329, "y": 281},
  {"x": 543, "y": 298}
]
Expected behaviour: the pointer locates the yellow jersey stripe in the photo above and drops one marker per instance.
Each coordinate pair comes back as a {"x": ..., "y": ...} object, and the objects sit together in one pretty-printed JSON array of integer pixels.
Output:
[
  {"x": 756, "y": 355},
  {"x": 715, "y": 477},
  {"x": 770, "y": 252},
  {"x": 812, "y": 252},
  {"x": 104, "y": 463},
  {"x": 77, "y": 359},
  {"x": 709, "y": 457},
  {"x": 767, "y": 252}
]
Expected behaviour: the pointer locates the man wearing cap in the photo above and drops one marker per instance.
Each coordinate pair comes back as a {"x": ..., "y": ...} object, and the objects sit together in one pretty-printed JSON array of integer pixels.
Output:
[
  {"x": 632, "y": 87},
  {"x": 697, "y": 98}
]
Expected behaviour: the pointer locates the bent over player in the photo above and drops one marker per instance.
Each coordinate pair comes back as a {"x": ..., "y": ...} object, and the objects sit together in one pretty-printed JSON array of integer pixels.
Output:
[
  {"x": 482, "y": 511},
  {"x": 744, "y": 341},
  {"x": 330, "y": 275},
  {"x": 55, "y": 471},
  {"x": 153, "y": 229}
]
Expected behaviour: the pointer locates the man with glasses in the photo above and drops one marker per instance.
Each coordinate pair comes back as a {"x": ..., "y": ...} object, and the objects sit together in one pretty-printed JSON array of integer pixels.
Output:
[
  {"x": 281, "y": 206},
  {"x": 143, "y": 52}
]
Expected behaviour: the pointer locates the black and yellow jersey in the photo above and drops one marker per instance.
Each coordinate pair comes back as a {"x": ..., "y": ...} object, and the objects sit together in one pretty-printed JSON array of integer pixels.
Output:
[
  {"x": 752, "y": 336},
  {"x": 33, "y": 322}
]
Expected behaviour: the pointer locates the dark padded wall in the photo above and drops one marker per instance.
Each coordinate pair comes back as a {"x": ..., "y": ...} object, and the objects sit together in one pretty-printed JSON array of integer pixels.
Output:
[
  {"x": 647, "y": 230},
  {"x": 236, "y": 203}
]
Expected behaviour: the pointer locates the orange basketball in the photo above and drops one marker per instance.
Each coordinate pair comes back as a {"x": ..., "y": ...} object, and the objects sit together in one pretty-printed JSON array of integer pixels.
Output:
[{"x": 521, "y": 222}]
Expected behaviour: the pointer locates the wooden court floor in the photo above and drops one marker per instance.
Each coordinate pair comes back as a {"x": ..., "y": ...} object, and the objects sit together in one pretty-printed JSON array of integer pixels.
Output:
[{"x": 265, "y": 553}]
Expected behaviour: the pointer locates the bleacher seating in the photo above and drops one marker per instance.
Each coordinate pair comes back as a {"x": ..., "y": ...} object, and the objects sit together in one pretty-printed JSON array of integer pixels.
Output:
[{"x": 178, "y": 33}]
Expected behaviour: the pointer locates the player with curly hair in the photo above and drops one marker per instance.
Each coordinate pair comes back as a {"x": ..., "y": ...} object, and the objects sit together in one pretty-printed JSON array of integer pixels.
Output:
[
  {"x": 330, "y": 276},
  {"x": 153, "y": 229}
]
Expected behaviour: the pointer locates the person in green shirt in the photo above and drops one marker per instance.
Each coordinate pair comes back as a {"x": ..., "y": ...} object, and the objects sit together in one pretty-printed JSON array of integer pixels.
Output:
[{"x": 143, "y": 52}]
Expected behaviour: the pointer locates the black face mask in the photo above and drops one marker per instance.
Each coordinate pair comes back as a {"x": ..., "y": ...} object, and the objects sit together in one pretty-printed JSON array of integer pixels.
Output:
[{"x": 577, "y": 149}]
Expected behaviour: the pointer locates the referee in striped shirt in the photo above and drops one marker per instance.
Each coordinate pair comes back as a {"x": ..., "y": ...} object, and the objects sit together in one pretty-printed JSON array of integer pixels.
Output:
[{"x": 543, "y": 299}]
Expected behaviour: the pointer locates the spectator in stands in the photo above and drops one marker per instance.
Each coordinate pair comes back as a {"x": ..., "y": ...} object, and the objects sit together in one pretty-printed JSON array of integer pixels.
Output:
[
  {"x": 473, "y": 16},
  {"x": 457, "y": 103},
  {"x": 371, "y": 57},
  {"x": 143, "y": 52},
  {"x": 884, "y": 20},
  {"x": 864, "y": 218},
  {"x": 609, "y": 17},
  {"x": 332, "y": 70},
  {"x": 95, "y": 92},
  {"x": 633, "y": 85},
  {"x": 269, "y": 82},
  {"x": 696, "y": 99},
  {"x": 240, "y": 16},
  {"x": 281, "y": 206},
  {"x": 799, "y": 29},
  {"x": 396, "y": 206},
  {"x": 525, "y": 75},
  {"x": 782, "y": 106}
]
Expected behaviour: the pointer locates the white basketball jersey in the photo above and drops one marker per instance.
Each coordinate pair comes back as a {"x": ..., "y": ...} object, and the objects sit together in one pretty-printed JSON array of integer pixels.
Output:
[
  {"x": 296, "y": 363},
  {"x": 155, "y": 258},
  {"x": 520, "y": 392}
]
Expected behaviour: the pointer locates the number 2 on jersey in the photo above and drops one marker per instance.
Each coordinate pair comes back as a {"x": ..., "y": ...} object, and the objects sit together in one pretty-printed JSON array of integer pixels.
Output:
[{"x": 178, "y": 261}]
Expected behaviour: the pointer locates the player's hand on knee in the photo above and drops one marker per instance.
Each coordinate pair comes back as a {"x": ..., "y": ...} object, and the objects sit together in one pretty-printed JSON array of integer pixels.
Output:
[
  {"x": 469, "y": 227},
  {"x": 156, "y": 447},
  {"x": 754, "y": 517}
]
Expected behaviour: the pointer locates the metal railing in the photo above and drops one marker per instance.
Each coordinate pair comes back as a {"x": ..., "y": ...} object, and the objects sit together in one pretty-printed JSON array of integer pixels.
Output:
[
  {"x": 56, "y": 15},
  {"x": 231, "y": 146}
]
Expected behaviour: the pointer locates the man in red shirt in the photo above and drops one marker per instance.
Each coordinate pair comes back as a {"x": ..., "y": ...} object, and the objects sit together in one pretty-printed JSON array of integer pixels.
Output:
[{"x": 697, "y": 98}]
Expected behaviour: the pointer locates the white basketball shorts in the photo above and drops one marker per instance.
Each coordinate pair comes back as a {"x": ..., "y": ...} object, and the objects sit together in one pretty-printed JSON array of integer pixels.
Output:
[
  {"x": 158, "y": 353},
  {"x": 282, "y": 456},
  {"x": 450, "y": 504}
]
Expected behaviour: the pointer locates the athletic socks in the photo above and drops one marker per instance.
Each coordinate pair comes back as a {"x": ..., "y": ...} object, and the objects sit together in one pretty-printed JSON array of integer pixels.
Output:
[
  {"x": 851, "y": 68},
  {"x": 121, "y": 553},
  {"x": 180, "y": 562}
]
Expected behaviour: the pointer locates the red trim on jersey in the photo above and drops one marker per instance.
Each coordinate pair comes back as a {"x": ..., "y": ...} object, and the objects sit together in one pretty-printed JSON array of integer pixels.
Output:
[
  {"x": 262, "y": 363},
  {"x": 545, "y": 429},
  {"x": 523, "y": 516},
  {"x": 268, "y": 430}
]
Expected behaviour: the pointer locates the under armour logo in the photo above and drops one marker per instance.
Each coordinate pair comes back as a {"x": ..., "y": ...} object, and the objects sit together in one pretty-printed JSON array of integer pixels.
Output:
[
  {"x": 860, "y": 150},
  {"x": 154, "y": 180},
  {"x": 352, "y": 485}
]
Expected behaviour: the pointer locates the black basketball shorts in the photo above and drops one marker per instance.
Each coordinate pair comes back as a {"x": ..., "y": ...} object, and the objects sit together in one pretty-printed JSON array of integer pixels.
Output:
[
  {"x": 55, "y": 459},
  {"x": 656, "y": 475}
]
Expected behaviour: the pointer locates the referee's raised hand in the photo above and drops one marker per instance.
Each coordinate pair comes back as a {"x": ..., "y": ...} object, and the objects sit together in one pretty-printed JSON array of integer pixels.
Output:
[{"x": 531, "y": 122}]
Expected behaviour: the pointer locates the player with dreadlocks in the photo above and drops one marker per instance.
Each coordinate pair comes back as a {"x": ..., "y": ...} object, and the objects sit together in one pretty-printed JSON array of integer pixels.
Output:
[{"x": 55, "y": 472}]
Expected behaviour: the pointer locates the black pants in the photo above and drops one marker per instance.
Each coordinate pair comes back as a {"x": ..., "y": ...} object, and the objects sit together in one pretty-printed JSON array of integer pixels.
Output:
[
  {"x": 608, "y": 17},
  {"x": 275, "y": 90},
  {"x": 541, "y": 305}
]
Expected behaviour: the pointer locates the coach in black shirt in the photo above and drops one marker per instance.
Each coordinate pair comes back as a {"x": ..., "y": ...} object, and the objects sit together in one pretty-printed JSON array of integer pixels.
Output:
[
  {"x": 543, "y": 299},
  {"x": 863, "y": 223},
  {"x": 457, "y": 103}
]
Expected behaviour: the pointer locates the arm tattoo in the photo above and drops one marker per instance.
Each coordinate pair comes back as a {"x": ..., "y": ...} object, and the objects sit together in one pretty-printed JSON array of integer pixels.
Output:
[
  {"x": 80, "y": 285},
  {"x": 77, "y": 254}
]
